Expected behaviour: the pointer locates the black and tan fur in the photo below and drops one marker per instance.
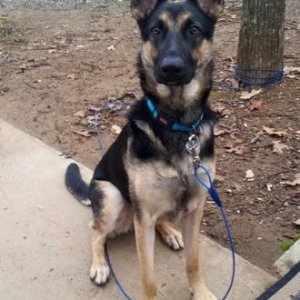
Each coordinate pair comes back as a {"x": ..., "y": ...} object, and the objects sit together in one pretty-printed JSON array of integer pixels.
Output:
[{"x": 145, "y": 179}]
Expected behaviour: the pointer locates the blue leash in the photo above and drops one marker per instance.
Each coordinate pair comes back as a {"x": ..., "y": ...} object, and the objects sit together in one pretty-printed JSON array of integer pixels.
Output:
[
  {"x": 114, "y": 276},
  {"x": 214, "y": 195}
]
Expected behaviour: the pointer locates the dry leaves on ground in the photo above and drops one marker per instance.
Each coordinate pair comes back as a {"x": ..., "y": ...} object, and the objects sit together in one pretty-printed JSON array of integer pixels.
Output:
[
  {"x": 297, "y": 222},
  {"x": 278, "y": 147},
  {"x": 294, "y": 182},
  {"x": 272, "y": 132},
  {"x": 239, "y": 150},
  {"x": 82, "y": 132},
  {"x": 80, "y": 114},
  {"x": 255, "y": 105},
  {"x": 249, "y": 95}
]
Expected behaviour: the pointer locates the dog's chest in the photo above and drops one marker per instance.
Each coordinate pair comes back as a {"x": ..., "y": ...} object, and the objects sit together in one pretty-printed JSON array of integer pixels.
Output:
[{"x": 164, "y": 189}]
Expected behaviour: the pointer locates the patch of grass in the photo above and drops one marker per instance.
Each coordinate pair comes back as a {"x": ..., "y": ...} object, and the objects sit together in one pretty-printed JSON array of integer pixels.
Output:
[
  {"x": 9, "y": 31},
  {"x": 288, "y": 244},
  {"x": 4, "y": 21}
]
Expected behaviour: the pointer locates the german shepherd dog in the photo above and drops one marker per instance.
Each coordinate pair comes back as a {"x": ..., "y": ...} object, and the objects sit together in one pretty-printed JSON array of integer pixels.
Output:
[{"x": 145, "y": 179}]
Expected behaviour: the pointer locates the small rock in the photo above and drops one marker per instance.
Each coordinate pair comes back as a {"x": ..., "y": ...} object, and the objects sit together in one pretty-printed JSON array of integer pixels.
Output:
[
  {"x": 116, "y": 129},
  {"x": 269, "y": 187},
  {"x": 111, "y": 47},
  {"x": 249, "y": 175}
]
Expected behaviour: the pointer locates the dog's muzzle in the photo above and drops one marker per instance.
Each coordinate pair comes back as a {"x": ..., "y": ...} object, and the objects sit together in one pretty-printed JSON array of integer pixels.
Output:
[{"x": 173, "y": 71}]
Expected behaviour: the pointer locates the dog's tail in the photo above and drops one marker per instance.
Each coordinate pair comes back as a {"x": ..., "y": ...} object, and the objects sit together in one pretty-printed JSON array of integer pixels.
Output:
[{"x": 75, "y": 184}]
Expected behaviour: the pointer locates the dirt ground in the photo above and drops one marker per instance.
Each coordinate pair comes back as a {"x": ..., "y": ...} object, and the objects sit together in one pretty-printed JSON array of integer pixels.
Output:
[{"x": 58, "y": 67}]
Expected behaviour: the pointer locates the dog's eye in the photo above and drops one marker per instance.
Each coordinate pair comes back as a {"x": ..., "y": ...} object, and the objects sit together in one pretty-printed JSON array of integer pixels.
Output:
[
  {"x": 195, "y": 31},
  {"x": 155, "y": 31}
]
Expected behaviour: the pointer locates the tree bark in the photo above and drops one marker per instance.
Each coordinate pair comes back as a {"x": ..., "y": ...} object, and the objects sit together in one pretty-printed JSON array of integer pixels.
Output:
[{"x": 261, "y": 38}]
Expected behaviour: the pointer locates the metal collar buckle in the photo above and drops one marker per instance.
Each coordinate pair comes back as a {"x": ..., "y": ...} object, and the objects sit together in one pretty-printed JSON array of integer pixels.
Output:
[{"x": 191, "y": 147}]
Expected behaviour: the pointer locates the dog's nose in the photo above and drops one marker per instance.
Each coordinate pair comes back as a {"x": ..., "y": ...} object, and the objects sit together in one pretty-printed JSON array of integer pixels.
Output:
[{"x": 172, "y": 66}]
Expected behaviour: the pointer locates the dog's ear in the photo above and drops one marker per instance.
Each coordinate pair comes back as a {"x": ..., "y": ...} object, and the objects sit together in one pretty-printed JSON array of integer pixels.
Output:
[
  {"x": 212, "y": 7},
  {"x": 141, "y": 8}
]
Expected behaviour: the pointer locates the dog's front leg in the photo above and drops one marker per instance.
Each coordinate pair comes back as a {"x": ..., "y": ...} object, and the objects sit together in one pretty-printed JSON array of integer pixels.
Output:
[
  {"x": 145, "y": 236},
  {"x": 191, "y": 228}
]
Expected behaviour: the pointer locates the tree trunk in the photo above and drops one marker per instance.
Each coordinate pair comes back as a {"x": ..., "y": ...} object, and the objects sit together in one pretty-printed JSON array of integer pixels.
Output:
[{"x": 261, "y": 38}]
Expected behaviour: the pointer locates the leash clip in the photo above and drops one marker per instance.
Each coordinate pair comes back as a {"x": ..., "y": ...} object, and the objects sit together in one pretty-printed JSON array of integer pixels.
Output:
[{"x": 191, "y": 147}]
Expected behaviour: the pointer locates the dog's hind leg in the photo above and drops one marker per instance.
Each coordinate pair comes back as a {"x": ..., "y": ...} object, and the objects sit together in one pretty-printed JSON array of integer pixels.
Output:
[
  {"x": 191, "y": 227},
  {"x": 170, "y": 235},
  {"x": 107, "y": 204}
]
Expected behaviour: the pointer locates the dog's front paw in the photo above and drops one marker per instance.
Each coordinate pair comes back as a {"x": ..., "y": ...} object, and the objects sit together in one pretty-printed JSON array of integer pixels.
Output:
[{"x": 99, "y": 274}]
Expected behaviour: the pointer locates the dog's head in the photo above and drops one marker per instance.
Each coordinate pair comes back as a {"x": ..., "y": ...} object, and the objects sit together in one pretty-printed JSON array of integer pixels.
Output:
[{"x": 177, "y": 40}]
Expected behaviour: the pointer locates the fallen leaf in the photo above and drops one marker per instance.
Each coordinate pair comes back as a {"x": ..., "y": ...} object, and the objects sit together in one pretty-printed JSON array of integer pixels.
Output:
[
  {"x": 239, "y": 150},
  {"x": 271, "y": 131},
  {"x": 278, "y": 147},
  {"x": 219, "y": 178},
  {"x": 80, "y": 114},
  {"x": 255, "y": 105},
  {"x": 256, "y": 137},
  {"x": 219, "y": 108},
  {"x": 116, "y": 129},
  {"x": 291, "y": 183},
  {"x": 111, "y": 47},
  {"x": 72, "y": 76},
  {"x": 84, "y": 133},
  {"x": 78, "y": 47},
  {"x": 94, "y": 108},
  {"x": 297, "y": 222},
  {"x": 255, "y": 213},
  {"x": 219, "y": 132},
  {"x": 249, "y": 95},
  {"x": 50, "y": 51},
  {"x": 292, "y": 69}
]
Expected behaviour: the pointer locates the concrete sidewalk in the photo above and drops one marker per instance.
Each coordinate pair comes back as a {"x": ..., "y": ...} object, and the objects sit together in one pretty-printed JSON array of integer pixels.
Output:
[{"x": 45, "y": 239}]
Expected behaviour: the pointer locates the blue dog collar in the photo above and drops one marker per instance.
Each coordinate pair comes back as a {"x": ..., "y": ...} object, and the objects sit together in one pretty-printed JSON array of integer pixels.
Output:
[{"x": 174, "y": 126}]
